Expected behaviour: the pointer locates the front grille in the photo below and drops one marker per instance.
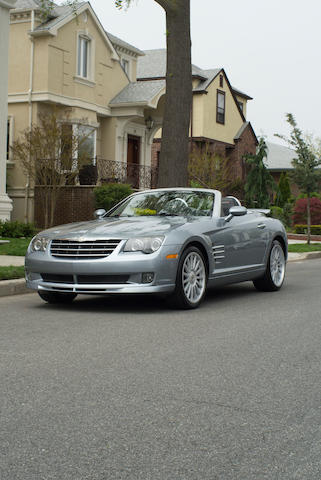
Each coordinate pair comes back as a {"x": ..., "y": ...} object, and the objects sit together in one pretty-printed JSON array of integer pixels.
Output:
[{"x": 87, "y": 250}]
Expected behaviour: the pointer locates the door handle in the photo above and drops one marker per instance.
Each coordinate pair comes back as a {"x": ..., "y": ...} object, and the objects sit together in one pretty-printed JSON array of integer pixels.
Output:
[{"x": 261, "y": 225}]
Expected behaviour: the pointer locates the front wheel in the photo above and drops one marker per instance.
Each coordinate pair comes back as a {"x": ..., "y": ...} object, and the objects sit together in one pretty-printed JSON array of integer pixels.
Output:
[
  {"x": 191, "y": 280},
  {"x": 57, "y": 297},
  {"x": 273, "y": 277}
]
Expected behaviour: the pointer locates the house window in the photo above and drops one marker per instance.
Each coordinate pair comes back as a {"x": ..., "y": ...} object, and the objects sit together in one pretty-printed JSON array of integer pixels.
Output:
[
  {"x": 77, "y": 146},
  {"x": 86, "y": 143},
  {"x": 240, "y": 104},
  {"x": 220, "y": 107},
  {"x": 221, "y": 81},
  {"x": 125, "y": 65},
  {"x": 83, "y": 69}
]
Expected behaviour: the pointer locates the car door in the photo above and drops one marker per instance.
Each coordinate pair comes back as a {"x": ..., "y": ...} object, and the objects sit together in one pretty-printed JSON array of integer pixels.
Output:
[{"x": 239, "y": 244}]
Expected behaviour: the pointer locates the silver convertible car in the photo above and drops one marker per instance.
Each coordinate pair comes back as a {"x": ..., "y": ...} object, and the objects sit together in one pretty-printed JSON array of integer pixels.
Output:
[{"x": 166, "y": 241}]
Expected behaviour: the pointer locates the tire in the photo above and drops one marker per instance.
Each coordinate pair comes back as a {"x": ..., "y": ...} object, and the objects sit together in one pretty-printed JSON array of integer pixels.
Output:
[
  {"x": 57, "y": 297},
  {"x": 273, "y": 277},
  {"x": 191, "y": 280}
]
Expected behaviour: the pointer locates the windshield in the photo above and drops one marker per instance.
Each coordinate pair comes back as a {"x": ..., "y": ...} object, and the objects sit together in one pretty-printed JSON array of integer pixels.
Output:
[{"x": 171, "y": 203}]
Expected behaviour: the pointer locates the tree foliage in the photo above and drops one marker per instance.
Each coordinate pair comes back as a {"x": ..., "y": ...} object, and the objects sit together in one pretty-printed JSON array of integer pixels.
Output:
[
  {"x": 210, "y": 170},
  {"x": 306, "y": 164},
  {"x": 51, "y": 155},
  {"x": 300, "y": 211},
  {"x": 259, "y": 182},
  {"x": 283, "y": 192}
]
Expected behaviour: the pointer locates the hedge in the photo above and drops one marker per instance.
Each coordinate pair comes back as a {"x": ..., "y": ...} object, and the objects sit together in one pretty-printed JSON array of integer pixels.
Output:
[{"x": 315, "y": 229}]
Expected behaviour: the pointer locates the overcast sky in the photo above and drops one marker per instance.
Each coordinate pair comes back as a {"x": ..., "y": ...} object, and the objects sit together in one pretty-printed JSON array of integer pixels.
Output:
[{"x": 270, "y": 49}]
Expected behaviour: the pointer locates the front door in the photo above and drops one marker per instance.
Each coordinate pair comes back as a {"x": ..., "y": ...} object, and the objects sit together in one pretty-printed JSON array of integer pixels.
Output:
[{"x": 133, "y": 161}]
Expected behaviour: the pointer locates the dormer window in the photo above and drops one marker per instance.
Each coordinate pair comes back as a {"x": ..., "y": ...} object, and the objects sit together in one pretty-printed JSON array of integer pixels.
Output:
[{"x": 83, "y": 69}]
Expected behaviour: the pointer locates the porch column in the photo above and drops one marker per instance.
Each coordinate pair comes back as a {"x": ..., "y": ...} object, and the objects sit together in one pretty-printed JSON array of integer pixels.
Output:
[{"x": 5, "y": 201}]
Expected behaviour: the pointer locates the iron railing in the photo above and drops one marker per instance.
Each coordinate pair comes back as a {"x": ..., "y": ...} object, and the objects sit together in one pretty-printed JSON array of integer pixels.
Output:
[{"x": 137, "y": 175}]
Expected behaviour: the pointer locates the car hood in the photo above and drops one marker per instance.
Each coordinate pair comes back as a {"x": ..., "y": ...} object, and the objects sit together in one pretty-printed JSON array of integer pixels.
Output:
[{"x": 119, "y": 228}]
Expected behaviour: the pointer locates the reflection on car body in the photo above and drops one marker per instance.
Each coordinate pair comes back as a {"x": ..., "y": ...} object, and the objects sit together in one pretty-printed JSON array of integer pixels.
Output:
[{"x": 165, "y": 241}]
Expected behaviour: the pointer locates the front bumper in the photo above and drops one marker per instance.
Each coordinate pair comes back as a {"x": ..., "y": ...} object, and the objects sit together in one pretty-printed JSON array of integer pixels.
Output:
[{"x": 131, "y": 265}]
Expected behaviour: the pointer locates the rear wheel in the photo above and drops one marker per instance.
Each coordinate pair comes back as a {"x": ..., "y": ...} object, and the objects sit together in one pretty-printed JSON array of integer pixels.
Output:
[
  {"x": 273, "y": 277},
  {"x": 191, "y": 280},
  {"x": 57, "y": 297}
]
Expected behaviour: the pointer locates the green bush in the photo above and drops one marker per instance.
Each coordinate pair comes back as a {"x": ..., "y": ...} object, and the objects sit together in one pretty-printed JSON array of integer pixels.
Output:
[
  {"x": 277, "y": 212},
  {"x": 284, "y": 214},
  {"x": 110, "y": 194},
  {"x": 17, "y": 229},
  {"x": 315, "y": 229}
]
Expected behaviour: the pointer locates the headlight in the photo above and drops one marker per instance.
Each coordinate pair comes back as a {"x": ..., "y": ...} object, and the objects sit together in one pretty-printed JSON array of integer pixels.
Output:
[
  {"x": 143, "y": 244},
  {"x": 39, "y": 244}
]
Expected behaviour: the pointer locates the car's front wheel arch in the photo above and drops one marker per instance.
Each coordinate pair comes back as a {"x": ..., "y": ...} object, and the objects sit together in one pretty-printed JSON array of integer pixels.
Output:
[
  {"x": 201, "y": 247},
  {"x": 282, "y": 242}
]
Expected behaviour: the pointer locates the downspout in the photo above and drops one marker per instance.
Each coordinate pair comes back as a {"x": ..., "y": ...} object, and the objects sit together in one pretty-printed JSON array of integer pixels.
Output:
[{"x": 27, "y": 188}]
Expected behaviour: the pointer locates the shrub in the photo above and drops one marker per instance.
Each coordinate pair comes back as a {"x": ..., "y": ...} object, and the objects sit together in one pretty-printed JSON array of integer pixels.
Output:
[
  {"x": 277, "y": 212},
  {"x": 17, "y": 229},
  {"x": 110, "y": 194},
  {"x": 284, "y": 214},
  {"x": 315, "y": 229},
  {"x": 300, "y": 211}
]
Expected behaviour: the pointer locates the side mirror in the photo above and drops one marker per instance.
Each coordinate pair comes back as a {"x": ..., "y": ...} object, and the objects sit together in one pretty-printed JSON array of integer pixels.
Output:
[
  {"x": 237, "y": 211},
  {"x": 99, "y": 213}
]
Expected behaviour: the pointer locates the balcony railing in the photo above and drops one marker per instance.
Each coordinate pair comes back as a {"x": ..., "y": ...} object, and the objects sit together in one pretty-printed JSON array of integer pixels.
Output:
[{"x": 137, "y": 175}]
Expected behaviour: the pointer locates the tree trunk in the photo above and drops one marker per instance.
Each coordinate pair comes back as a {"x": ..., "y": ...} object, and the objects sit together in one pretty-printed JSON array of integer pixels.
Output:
[
  {"x": 308, "y": 219},
  {"x": 174, "y": 153}
]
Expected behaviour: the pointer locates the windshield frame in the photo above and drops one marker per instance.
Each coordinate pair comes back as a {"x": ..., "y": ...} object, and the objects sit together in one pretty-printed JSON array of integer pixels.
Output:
[{"x": 214, "y": 213}]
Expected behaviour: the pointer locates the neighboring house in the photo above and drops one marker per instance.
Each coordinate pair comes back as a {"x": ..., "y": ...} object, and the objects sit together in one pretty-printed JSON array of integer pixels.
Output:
[
  {"x": 279, "y": 160},
  {"x": 218, "y": 117},
  {"x": 112, "y": 89},
  {"x": 69, "y": 61}
]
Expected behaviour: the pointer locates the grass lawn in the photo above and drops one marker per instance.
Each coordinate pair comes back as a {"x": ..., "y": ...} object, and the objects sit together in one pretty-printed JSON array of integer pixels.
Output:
[
  {"x": 304, "y": 247},
  {"x": 9, "y": 273},
  {"x": 17, "y": 246}
]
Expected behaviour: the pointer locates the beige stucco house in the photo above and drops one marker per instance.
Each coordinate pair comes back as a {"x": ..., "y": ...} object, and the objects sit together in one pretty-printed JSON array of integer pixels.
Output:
[{"x": 111, "y": 89}]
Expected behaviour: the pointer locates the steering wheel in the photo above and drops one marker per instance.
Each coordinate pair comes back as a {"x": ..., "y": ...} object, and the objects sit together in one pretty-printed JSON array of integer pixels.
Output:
[{"x": 180, "y": 200}]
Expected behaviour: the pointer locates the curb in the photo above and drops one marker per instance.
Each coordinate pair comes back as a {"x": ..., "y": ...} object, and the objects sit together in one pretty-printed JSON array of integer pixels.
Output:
[
  {"x": 13, "y": 287},
  {"x": 304, "y": 256}
]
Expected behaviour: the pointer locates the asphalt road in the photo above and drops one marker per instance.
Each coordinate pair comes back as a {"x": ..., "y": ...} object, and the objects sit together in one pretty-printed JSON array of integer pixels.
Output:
[{"x": 120, "y": 388}]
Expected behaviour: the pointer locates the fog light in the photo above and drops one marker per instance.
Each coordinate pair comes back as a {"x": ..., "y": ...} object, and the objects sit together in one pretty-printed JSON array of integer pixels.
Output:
[{"x": 147, "y": 277}]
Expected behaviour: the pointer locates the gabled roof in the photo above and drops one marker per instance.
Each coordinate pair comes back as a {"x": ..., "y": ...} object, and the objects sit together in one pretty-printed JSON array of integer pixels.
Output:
[
  {"x": 241, "y": 94},
  {"x": 245, "y": 125},
  {"x": 279, "y": 157},
  {"x": 139, "y": 92},
  {"x": 210, "y": 75},
  {"x": 27, "y": 4},
  {"x": 153, "y": 65},
  {"x": 121, "y": 43},
  {"x": 62, "y": 14}
]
